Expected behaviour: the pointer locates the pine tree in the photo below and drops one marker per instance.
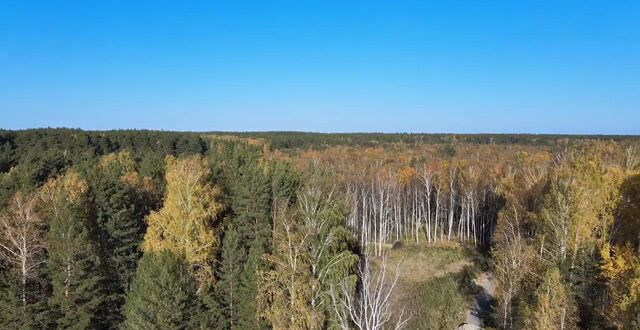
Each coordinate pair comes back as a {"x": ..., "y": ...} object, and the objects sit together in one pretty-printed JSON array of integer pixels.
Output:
[
  {"x": 250, "y": 202},
  {"x": 121, "y": 199},
  {"x": 162, "y": 295},
  {"x": 248, "y": 309},
  {"x": 11, "y": 313},
  {"x": 229, "y": 274},
  {"x": 73, "y": 263},
  {"x": 247, "y": 182}
]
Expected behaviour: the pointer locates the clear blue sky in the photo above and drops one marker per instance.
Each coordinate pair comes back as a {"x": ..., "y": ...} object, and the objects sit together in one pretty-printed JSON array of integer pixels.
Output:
[{"x": 329, "y": 66}]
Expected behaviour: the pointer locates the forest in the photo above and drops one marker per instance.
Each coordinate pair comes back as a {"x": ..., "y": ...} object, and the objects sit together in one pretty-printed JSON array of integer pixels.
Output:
[{"x": 137, "y": 229}]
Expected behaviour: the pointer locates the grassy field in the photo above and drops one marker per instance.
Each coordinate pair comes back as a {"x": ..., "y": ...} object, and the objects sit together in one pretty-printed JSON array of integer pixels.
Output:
[{"x": 434, "y": 284}]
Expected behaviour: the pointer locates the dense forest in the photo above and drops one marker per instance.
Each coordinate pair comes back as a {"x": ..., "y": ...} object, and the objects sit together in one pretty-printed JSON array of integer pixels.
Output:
[{"x": 139, "y": 229}]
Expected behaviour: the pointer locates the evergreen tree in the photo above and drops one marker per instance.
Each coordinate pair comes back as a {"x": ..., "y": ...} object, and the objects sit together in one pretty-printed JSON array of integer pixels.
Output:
[
  {"x": 229, "y": 277},
  {"x": 248, "y": 310},
  {"x": 247, "y": 183},
  {"x": 121, "y": 200},
  {"x": 251, "y": 201},
  {"x": 11, "y": 313},
  {"x": 73, "y": 262},
  {"x": 162, "y": 295},
  {"x": 284, "y": 183}
]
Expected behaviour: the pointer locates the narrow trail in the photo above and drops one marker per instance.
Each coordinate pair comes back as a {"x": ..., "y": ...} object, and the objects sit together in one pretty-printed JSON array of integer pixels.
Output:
[{"x": 482, "y": 302}]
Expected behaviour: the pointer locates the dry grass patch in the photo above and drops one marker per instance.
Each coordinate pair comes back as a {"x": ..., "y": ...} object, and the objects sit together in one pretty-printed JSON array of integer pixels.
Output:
[{"x": 426, "y": 284}]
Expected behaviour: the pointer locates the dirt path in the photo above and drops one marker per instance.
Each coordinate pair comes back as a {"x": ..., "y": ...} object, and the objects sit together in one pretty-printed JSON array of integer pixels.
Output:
[{"x": 482, "y": 302}]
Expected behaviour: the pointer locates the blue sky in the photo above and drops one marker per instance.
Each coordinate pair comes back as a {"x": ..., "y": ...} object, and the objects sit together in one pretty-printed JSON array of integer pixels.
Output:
[{"x": 328, "y": 66}]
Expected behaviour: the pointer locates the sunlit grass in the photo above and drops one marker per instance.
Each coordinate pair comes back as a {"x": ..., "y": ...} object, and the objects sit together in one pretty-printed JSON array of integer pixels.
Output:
[{"x": 430, "y": 283}]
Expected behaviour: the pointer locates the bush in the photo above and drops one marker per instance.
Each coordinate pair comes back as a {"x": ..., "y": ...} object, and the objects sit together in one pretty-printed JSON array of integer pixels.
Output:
[{"x": 437, "y": 304}]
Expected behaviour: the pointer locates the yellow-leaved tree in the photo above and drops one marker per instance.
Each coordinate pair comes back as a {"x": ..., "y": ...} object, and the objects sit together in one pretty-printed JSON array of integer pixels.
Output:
[
  {"x": 621, "y": 269},
  {"x": 554, "y": 307},
  {"x": 186, "y": 225}
]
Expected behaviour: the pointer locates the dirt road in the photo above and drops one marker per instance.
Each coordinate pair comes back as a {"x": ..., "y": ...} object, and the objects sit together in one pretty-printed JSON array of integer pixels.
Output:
[{"x": 482, "y": 302}]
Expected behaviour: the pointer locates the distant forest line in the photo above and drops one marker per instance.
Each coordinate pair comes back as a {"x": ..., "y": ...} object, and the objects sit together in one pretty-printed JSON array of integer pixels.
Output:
[{"x": 113, "y": 139}]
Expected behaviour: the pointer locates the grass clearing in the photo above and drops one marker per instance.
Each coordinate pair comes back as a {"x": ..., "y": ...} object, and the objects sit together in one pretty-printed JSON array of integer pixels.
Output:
[{"x": 435, "y": 283}]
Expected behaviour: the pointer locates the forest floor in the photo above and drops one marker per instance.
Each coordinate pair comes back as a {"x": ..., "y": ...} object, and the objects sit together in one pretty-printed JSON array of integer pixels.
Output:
[{"x": 439, "y": 286}]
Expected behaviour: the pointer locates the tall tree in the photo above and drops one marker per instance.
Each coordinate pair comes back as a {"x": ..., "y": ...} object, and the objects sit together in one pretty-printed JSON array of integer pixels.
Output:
[
  {"x": 312, "y": 252},
  {"x": 554, "y": 307},
  {"x": 251, "y": 189},
  {"x": 162, "y": 295},
  {"x": 187, "y": 225},
  {"x": 230, "y": 276},
  {"x": 248, "y": 185},
  {"x": 121, "y": 198},
  {"x": 73, "y": 263},
  {"x": 620, "y": 268},
  {"x": 22, "y": 242}
]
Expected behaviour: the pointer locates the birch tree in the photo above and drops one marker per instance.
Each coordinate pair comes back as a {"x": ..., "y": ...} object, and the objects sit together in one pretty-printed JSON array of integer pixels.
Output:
[
  {"x": 22, "y": 241},
  {"x": 312, "y": 250},
  {"x": 369, "y": 307},
  {"x": 186, "y": 225}
]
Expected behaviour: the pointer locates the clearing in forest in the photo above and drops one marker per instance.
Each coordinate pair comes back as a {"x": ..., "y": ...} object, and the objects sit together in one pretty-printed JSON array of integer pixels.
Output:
[{"x": 435, "y": 284}]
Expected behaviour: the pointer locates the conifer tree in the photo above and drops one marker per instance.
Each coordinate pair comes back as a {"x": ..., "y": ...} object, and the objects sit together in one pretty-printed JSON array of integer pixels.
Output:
[
  {"x": 121, "y": 199},
  {"x": 73, "y": 263},
  {"x": 11, "y": 314},
  {"x": 247, "y": 182},
  {"x": 248, "y": 309},
  {"x": 229, "y": 275},
  {"x": 162, "y": 295}
]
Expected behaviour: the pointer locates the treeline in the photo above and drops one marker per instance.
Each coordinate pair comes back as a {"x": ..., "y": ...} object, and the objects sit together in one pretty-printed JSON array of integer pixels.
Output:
[
  {"x": 213, "y": 238},
  {"x": 26, "y": 145},
  {"x": 30, "y": 157},
  {"x": 305, "y": 140}
]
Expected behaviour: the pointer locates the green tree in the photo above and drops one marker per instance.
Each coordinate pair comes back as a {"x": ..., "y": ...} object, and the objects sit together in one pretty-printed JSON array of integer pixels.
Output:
[
  {"x": 121, "y": 199},
  {"x": 73, "y": 263},
  {"x": 162, "y": 295},
  {"x": 247, "y": 182},
  {"x": 229, "y": 274},
  {"x": 11, "y": 313}
]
